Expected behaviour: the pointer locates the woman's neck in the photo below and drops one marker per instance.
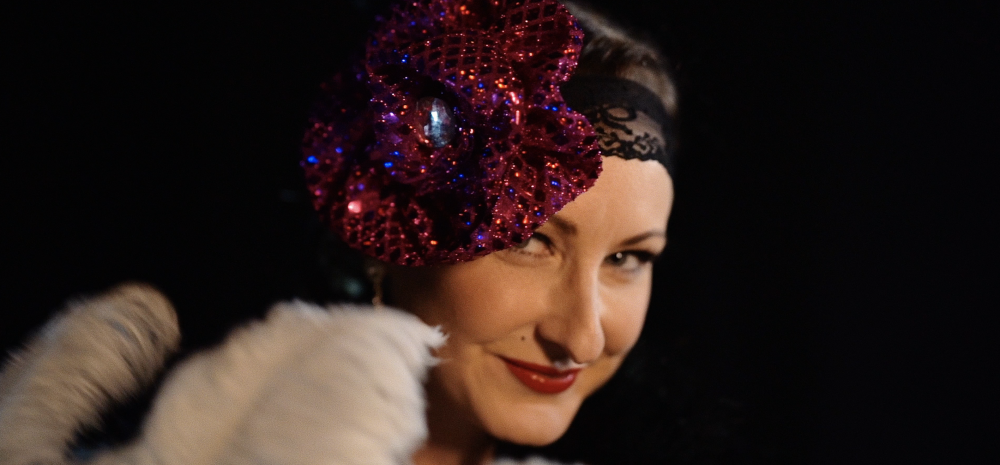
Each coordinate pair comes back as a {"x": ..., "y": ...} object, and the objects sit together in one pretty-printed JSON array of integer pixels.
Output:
[{"x": 453, "y": 440}]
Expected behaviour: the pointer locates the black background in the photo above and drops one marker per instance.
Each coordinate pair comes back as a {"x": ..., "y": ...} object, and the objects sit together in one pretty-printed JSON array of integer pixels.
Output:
[{"x": 832, "y": 247}]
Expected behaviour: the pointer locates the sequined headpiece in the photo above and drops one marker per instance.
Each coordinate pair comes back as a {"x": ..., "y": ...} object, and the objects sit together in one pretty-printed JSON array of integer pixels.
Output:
[{"x": 453, "y": 141}]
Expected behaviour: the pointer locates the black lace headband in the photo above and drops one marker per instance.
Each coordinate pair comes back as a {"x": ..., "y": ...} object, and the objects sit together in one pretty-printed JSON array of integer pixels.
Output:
[{"x": 611, "y": 104}]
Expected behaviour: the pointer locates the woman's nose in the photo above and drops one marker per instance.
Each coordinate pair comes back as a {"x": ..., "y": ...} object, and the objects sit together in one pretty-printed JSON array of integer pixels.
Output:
[{"x": 573, "y": 322}]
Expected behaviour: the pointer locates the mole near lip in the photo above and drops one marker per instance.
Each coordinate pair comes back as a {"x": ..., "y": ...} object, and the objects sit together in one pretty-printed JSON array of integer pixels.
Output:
[{"x": 541, "y": 378}]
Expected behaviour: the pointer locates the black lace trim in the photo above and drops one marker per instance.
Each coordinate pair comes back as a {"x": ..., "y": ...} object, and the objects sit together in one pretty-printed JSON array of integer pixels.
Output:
[
  {"x": 611, "y": 104},
  {"x": 619, "y": 139}
]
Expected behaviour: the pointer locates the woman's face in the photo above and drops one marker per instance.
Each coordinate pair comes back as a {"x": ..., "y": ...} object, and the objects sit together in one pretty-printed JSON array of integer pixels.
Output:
[{"x": 536, "y": 329}]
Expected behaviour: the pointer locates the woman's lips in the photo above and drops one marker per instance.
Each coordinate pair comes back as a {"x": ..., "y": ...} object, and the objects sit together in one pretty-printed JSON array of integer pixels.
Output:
[{"x": 541, "y": 378}]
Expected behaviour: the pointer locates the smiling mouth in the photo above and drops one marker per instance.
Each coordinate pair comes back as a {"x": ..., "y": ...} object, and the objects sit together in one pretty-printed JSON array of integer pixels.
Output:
[{"x": 540, "y": 378}]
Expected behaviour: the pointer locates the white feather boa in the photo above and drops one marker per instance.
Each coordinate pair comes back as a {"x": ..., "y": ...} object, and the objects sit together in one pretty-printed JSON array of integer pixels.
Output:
[{"x": 308, "y": 385}]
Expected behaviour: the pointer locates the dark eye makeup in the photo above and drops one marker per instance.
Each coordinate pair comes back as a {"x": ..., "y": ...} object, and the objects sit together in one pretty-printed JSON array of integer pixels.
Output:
[
  {"x": 530, "y": 246},
  {"x": 631, "y": 260},
  {"x": 643, "y": 256}
]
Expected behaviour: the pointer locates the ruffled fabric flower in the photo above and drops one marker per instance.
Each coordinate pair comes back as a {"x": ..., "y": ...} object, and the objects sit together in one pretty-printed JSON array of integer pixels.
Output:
[{"x": 453, "y": 141}]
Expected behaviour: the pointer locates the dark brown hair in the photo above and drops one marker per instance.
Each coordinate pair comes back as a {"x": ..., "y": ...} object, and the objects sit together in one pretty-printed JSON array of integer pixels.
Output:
[{"x": 611, "y": 50}]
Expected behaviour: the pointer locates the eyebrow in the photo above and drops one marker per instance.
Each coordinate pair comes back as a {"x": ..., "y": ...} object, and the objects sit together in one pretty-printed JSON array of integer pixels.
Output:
[
  {"x": 646, "y": 235},
  {"x": 567, "y": 227}
]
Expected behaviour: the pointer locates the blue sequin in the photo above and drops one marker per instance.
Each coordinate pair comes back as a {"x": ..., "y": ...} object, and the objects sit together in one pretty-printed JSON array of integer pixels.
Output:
[
  {"x": 388, "y": 164},
  {"x": 312, "y": 159}
]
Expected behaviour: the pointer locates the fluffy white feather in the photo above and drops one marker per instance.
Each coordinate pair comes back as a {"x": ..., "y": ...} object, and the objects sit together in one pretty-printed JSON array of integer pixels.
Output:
[
  {"x": 94, "y": 353},
  {"x": 305, "y": 386}
]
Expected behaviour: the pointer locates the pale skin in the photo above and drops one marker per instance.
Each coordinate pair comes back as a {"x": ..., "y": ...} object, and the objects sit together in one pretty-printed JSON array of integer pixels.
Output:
[{"x": 573, "y": 296}]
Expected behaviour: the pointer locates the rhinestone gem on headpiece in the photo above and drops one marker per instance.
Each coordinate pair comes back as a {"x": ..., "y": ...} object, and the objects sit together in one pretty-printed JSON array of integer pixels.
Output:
[
  {"x": 453, "y": 141},
  {"x": 435, "y": 122}
]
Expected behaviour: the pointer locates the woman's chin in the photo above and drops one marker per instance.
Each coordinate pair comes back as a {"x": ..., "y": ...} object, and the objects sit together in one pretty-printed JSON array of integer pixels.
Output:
[{"x": 533, "y": 425}]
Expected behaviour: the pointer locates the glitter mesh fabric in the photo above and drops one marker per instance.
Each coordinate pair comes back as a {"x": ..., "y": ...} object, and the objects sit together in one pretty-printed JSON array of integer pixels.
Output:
[{"x": 518, "y": 155}]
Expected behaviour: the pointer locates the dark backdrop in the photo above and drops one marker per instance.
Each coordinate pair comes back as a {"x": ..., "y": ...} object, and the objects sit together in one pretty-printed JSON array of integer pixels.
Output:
[{"x": 831, "y": 253}]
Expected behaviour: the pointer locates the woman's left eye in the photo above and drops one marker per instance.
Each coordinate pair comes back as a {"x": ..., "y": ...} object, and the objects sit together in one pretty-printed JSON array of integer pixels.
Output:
[{"x": 630, "y": 260}]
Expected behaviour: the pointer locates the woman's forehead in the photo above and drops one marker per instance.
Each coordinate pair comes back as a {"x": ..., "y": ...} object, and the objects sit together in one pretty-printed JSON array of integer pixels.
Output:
[{"x": 628, "y": 196}]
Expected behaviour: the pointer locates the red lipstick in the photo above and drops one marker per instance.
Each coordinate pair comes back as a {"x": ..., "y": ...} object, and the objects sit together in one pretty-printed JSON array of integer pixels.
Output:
[{"x": 541, "y": 378}]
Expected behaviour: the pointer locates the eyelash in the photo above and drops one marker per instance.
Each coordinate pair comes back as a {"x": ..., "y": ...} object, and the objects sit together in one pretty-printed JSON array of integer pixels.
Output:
[
  {"x": 641, "y": 255},
  {"x": 519, "y": 248}
]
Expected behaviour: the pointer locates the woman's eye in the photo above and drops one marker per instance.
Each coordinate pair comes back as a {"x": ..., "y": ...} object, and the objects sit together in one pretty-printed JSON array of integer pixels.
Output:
[
  {"x": 631, "y": 260},
  {"x": 537, "y": 244}
]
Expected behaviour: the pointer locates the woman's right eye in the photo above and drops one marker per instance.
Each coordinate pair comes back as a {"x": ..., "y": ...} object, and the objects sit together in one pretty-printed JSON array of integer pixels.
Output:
[{"x": 537, "y": 244}]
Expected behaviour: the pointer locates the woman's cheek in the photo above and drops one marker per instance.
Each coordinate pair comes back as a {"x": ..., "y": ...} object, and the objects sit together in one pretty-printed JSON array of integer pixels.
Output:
[
  {"x": 493, "y": 301},
  {"x": 624, "y": 318}
]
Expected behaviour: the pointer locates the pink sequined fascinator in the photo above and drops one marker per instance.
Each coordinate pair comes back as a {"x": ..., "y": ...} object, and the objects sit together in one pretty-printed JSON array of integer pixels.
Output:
[{"x": 453, "y": 141}]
